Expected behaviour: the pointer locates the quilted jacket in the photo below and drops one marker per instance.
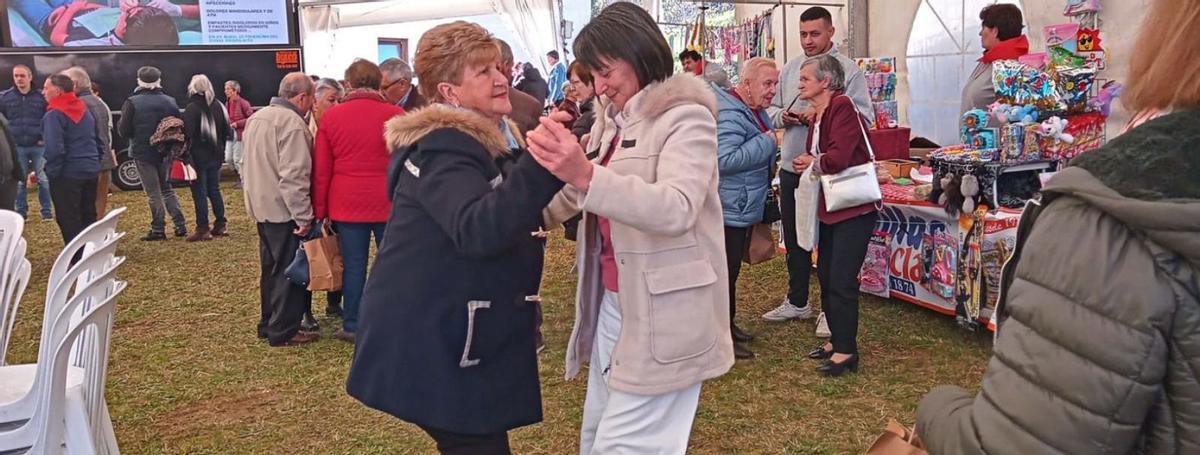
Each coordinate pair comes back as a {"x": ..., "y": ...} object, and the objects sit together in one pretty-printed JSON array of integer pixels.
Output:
[{"x": 1098, "y": 348}]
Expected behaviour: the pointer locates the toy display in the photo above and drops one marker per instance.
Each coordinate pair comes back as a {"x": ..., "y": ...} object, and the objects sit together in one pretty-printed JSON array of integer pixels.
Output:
[
  {"x": 1036, "y": 60},
  {"x": 1016, "y": 83},
  {"x": 1088, "y": 40},
  {"x": 941, "y": 264},
  {"x": 1103, "y": 100},
  {"x": 877, "y": 64},
  {"x": 1075, "y": 86},
  {"x": 876, "y": 269},
  {"x": 887, "y": 114},
  {"x": 880, "y": 74},
  {"x": 1065, "y": 36}
]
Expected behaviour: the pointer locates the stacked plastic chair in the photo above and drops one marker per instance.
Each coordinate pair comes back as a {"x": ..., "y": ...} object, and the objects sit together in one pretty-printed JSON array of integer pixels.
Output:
[{"x": 59, "y": 401}]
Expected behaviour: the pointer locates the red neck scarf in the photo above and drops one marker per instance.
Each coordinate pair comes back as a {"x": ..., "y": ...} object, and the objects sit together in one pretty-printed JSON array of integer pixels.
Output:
[
  {"x": 1007, "y": 50},
  {"x": 70, "y": 105}
]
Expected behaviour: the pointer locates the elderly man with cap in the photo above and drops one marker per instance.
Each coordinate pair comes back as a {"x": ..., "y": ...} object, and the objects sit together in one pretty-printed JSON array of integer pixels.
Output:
[
  {"x": 140, "y": 116},
  {"x": 398, "y": 87},
  {"x": 103, "y": 117}
]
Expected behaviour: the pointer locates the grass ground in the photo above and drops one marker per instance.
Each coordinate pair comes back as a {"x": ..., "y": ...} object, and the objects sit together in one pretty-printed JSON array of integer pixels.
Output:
[{"x": 187, "y": 374}]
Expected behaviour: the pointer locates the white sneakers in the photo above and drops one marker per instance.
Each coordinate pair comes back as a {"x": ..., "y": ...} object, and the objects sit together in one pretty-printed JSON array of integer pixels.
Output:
[{"x": 786, "y": 311}]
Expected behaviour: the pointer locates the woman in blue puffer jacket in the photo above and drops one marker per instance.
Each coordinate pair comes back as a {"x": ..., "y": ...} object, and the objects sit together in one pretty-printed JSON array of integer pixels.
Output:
[{"x": 745, "y": 151}]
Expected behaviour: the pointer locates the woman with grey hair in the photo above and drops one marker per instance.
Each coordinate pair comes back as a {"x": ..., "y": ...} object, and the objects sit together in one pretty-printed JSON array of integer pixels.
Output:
[
  {"x": 837, "y": 140},
  {"x": 329, "y": 94},
  {"x": 207, "y": 130}
]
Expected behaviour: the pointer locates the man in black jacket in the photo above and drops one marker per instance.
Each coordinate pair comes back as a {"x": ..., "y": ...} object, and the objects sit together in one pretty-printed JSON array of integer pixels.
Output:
[
  {"x": 10, "y": 168},
  {"x": 140, "y": 116}
]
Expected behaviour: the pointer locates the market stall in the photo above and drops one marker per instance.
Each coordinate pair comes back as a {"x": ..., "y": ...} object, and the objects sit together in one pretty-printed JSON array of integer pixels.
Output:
[{"x": 944, "y": 233}]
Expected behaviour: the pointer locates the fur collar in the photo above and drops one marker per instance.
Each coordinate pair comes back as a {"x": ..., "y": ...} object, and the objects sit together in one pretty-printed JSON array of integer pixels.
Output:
[
  {"x": 408, "y": 129},
  {"x": 676, "y": 90}
]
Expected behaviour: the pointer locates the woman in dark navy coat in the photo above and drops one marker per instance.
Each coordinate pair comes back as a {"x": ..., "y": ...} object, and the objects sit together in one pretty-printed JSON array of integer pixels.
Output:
[{"x": 446, "y": 337}]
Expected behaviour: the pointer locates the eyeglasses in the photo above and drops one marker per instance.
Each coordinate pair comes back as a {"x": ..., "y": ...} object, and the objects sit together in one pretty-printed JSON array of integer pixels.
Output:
[{"x": 401, "y": 82}]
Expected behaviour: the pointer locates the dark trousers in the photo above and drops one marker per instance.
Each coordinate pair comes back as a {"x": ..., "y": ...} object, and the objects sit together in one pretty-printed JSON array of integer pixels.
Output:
[
  {"x": 799, "y": 261},
  {"x": 283, "y": 303},
  {"x": 841, "y": 251},
  {"x": 736, "y": 239},
  {"x": 450, "y": 443},
  {"x": 8, "y": 195},
  {"x": 75, "y": 203},
  {"x": 354, "y": 239},
  {"x": 207, "y": 187}
]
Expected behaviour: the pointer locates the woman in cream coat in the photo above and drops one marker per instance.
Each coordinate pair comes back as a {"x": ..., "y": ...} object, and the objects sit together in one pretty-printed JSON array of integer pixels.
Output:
[{"x": 652, "y": 315}]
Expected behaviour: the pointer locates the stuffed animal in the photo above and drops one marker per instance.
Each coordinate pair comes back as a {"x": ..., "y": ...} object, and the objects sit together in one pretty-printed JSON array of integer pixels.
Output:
[
  {"x": 1103, "y": 101},
  {"x": 970, "y": 191},
  {"x": 1056, "y": 128},
  {"x": 1007, "y": 113}
]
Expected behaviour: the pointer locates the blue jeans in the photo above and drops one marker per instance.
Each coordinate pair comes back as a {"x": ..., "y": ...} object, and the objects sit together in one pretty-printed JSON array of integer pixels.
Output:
[
  {"x": 207, "y": 187},
  {"x": 33, "y": 158},
  {"x": 354, "y": 239}
]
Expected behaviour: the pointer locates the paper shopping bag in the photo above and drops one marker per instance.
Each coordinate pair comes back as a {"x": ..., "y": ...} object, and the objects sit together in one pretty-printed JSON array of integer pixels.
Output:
[
  {"x": 324, "y": 260},
  {"x": 897, "y": 440},
  {"x": 761, "y": 247}
]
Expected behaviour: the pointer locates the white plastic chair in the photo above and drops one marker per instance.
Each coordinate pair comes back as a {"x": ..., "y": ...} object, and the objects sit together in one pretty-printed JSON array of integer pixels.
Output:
[
  {"x": 97, "y": 425},
  {"x": 59, "y": 414},
  {"x": 12, "y": 226},
  {"x": 13, "y": 282}
]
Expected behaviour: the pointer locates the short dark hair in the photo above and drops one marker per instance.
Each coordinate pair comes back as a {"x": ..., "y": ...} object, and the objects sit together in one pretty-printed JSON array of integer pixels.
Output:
[
  {"x": 553, "y": 54},
  {"x": 816, "y": 13},
  {"x": 642, "y": 47},
  {"x": 580, "y": 70},
  {"x": 1005, "y": 18},
  {"x": 149, "y": 26},
  {"x": 63, "y": 82},
  {"x": 690, "y": 55}
]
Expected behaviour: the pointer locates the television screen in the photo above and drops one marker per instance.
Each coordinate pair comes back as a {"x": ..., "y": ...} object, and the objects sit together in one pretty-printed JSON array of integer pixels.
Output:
[{"x": 106, "y": 23}]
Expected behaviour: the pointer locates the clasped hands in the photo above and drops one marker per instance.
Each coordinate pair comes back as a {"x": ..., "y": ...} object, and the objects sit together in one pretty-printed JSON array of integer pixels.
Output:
[{"x": 557, "y": 150}]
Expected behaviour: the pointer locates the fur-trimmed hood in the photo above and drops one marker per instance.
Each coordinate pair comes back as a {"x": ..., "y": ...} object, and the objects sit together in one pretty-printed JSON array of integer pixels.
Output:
[{"x": 406, "y": 130}]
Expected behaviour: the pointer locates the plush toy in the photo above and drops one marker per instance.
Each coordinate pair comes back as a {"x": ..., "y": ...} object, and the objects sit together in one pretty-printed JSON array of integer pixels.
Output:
[
  {"x": 1007, "y": 113},
  {"x": 1103, "y": 100},
  {"x": 1056, "y": 128},
  {"x": 970, "y": 191}
]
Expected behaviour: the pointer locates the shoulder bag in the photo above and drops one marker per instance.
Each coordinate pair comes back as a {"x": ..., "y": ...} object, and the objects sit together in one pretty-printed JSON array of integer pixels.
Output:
[{"x": 854, "y": 186}]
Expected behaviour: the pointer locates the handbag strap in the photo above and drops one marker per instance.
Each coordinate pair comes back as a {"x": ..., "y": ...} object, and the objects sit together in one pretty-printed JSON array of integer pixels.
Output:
[{"x": 816, "y": 149}]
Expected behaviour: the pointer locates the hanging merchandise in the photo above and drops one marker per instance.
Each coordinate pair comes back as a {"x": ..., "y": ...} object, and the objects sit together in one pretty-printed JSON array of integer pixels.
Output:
[{"x": 733, "y": 44}]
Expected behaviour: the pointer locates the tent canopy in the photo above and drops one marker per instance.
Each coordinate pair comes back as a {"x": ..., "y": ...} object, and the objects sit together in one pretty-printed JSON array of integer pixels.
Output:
[{"x": 534, "y": 22}]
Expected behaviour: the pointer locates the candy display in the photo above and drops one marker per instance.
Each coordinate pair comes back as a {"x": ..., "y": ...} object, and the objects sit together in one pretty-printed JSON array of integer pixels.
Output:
[
  {"x": 1086, "y": 132},
  {"x": 877, "y": 64},
  {"x": 941, "y": 264},
  {"x": 1094, "y": 59},
  {"x": 1064, "y": 58},
  {"x": 881, "y": 86},
  {"x": 1075, "y": 86},
  {"x": 887, "y": 114},
  {"x": 1081, "y": 7},
  {"x": 1103, "y": 100},
  {"x": 1016, "y": 83},
  {"x": 1019, "y": 142},
  {"x": 1065, "y": 36},
  {"x": 873, "y": 278},
  {"x": 1036, "y": 60}
]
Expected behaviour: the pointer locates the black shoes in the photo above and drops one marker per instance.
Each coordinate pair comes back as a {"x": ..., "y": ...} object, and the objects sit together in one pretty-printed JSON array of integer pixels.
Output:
[
  {"x": 739, "y": 335},
  {"x": 154, "y": 236},
  {"x": 830, "y": 368},
  {"x": 819, "y": 353},
  {"x": 181, "y": 232},
  {"x": 740, "y": 352},
  {"x": 309, "y": 324}
]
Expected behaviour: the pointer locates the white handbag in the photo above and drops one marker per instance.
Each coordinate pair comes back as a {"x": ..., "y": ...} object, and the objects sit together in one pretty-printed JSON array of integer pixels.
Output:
[{"x": 855, "y": 185}]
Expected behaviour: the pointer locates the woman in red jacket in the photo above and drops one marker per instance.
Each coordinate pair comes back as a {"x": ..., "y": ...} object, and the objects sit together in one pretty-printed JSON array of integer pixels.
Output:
[
  {"x": 837, "y": 141},
  {"x": 350, "y": 179}
]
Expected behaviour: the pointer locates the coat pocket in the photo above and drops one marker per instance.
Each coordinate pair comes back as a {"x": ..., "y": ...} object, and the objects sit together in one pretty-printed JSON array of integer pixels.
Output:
[
  {"x": 681, "y": 320},
  {"x": 472, "y": 307}
]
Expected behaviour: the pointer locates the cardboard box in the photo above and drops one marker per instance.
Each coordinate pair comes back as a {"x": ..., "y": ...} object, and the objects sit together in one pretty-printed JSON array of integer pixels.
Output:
[{"x": 900, "y": 168}]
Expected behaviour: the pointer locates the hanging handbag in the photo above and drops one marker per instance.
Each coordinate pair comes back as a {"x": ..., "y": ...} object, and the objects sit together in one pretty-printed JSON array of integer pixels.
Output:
[
  {"x": 771, "y": 211},
  {"x": 855, "y": 185},
  {"x": 181, "y": 172},
  {"x": 297, "y": 272}
]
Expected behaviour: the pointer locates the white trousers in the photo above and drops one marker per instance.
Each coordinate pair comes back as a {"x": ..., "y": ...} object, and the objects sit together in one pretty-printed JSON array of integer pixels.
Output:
[{"x": 616, "y": 422}]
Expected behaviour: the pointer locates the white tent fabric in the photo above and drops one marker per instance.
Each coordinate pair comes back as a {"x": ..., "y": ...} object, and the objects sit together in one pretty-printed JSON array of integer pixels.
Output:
[{"x": 535, "y": 22}]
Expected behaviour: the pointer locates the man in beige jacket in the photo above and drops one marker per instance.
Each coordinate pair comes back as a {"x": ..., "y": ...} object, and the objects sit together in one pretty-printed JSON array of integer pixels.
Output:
[{"x": 276, "y": 172}]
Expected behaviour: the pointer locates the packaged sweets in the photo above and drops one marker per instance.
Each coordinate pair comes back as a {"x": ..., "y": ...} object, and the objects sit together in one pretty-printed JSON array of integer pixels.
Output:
[
  {"x": 876, "y": 271},
  {"x": 1065, "y": 36}
]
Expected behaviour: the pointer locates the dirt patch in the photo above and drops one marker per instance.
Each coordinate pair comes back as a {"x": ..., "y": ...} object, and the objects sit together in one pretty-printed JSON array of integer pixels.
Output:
[{"x": 225, "y": 411}]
